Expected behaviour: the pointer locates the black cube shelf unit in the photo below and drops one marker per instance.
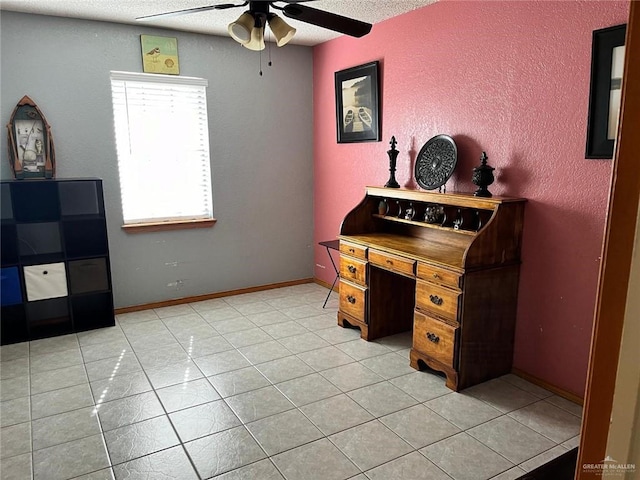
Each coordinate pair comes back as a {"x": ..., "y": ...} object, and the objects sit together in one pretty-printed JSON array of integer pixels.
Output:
[{"x": 56, "y": 276}]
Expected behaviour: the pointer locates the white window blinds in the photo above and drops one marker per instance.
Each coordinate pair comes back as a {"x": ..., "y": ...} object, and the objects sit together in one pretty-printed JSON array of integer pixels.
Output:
[{"x": 162, "y": 142}]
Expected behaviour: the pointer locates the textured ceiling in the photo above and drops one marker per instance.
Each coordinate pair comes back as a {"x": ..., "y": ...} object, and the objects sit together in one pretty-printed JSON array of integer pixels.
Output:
[{"x": 212, "y": 22}]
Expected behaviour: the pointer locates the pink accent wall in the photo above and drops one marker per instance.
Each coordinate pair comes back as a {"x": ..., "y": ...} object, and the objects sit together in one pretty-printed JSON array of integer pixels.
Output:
[{"x": 512, "y": 79}]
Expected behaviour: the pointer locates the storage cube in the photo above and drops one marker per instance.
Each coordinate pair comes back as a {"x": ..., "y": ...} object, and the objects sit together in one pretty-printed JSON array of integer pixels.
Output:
[
  {"x": 35, "y": 201},
  {"x": 45, "y": 281},
  {"x": 48, "y": 317},
  {"x": 79, "y": 198},
  {"x": 92, "y": 311},
  {"x": 85, "y": 238},
  {"x": 9, "y": 244},
  {"x": 39, "y": 238},
  {"x": 10, "y": 291},
  {"x": 54, "y": 258},
  {"x": 88, "y": 275},
  {"x": 13, "y": 325},
  {"x": 5, "y": 202}
]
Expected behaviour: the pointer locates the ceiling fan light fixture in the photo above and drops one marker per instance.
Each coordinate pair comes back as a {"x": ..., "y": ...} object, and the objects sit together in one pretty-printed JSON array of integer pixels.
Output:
[
  {"x": 282, "y": 31},
  {"x": 241, "y": 30},
  {"x": 257, "y": 39}
]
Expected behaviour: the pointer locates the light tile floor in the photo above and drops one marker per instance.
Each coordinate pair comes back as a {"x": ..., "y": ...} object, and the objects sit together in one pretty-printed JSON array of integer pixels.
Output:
[{"x": 260, "y": 386}]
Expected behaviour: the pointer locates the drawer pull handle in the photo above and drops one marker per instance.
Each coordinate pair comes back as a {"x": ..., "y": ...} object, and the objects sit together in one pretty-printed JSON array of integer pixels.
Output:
[
  {"x": 352, "y": 269},
  {"x": 45, "y": 272},
  {"x": 351, "y": 299},
  {"x": 351, "y": 250},
  {"x": 390, "y": 262},
  {"x": 435, "y": 275},
  {"x": 433, "y": 337},
  {"x": 435, "y": 300}
]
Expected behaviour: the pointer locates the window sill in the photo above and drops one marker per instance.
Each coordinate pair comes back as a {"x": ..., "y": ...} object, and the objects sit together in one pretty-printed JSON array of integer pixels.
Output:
[{"x": 175, "y": 225}]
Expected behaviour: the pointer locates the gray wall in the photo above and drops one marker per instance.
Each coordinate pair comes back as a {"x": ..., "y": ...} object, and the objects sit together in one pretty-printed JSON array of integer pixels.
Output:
[{"x": 261, "y": 150}]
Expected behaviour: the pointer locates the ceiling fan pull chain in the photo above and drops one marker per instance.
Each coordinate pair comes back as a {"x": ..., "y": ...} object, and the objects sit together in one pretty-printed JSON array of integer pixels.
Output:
[
  {"x": 269, "y": 45},
  {"x": 260, "y": 56}
]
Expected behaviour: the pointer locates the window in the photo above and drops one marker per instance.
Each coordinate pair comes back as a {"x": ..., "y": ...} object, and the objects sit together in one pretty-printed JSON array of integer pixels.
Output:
[{"x": 162, "y": 142}]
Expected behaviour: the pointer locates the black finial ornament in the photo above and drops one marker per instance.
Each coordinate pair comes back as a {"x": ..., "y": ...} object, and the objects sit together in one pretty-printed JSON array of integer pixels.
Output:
[
  {"x": 393, "y": 154},
  {"x": 483, "y": 177}
]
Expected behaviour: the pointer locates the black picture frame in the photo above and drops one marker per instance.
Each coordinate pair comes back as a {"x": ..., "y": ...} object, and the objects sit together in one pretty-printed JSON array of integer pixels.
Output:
[
  {"x": 604, "y": 93},
  {"x": 358, "y": 103}
]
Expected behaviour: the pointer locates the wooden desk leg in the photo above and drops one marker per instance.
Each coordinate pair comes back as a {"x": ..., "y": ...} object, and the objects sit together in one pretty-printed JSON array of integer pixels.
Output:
[
  {"x": 417, "y": 360},
  {"x": 347, "y": 321}
]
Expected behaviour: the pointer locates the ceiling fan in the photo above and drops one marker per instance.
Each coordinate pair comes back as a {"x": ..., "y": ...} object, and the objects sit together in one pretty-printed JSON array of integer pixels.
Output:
[{"x": 248, "y": 29}]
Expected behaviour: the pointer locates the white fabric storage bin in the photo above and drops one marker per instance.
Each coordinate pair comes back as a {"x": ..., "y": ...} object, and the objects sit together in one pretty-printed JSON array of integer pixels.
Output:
[{"x": 45, "y": 281}]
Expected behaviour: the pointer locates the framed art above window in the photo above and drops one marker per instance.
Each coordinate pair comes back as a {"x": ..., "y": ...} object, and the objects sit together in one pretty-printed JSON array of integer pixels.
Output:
[
  {"x": 358, "y": 104},
  {"x": 160, "y": 55},
  {"x": 607, "y": 62}
]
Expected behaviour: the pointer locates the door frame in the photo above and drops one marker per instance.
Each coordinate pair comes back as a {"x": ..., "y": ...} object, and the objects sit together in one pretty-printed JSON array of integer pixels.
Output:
[{"x": 615, "y": 266}]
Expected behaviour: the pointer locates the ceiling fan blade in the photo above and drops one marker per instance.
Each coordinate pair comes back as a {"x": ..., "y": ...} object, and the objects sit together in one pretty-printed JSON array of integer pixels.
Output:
[
  {"x": 332, "y": 21},
  {"x": 222, "y": 6}
]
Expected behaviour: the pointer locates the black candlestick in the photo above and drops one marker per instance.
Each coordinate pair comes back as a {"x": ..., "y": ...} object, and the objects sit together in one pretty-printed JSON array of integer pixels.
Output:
[{"x": 393, "y": 154}]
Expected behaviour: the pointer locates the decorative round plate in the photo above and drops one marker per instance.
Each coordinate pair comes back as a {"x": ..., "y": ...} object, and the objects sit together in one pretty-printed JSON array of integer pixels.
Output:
[{"x": 436, "y": 161}]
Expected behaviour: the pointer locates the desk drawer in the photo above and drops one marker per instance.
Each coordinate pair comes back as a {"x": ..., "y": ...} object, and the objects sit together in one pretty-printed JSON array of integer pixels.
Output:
[
  {"x": 353, "y": 250},
  {"x": 438, "y": 275},
  {"x": 436, "y": 299},
  {"x": 394, "y": 263},
  {"x": 354, "y": 270},
  {"x": 353, "y": 300},
  {"x": 435, "y": 338}
]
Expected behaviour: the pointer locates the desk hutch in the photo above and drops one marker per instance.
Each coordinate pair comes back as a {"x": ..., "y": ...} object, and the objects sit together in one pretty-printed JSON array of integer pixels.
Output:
[{"x": 451, "y": 276}]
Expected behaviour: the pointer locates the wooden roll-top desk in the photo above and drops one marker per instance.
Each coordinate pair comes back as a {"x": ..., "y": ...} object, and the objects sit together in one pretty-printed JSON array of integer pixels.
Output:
[{"x": 443, "y": 264}]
